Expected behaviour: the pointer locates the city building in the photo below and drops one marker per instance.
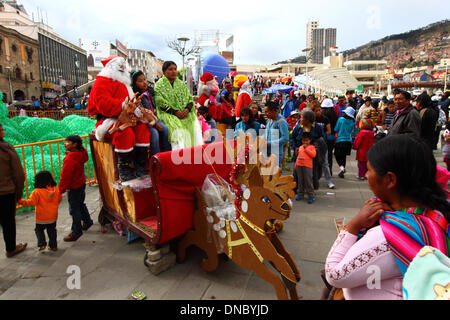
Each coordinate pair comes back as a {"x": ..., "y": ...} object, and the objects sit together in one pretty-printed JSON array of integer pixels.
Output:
[
  {"x": 322, "y": 41},
  {"x": 312, "y": 25},
  {"x": 98, "y": 50},
  {"x": 368, "y": 73},
  {"x": 62, "y": 65},
  {"x": 19, "y": 66},
  {"x": 146, "y": 62}
]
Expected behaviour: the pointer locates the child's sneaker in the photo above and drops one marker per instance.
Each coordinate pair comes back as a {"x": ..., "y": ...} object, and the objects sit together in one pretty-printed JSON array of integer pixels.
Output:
[
  {"x": 311, "y": 200},
  {"x": 42, "y": 248},
  {"x": 299, "y": 197}
]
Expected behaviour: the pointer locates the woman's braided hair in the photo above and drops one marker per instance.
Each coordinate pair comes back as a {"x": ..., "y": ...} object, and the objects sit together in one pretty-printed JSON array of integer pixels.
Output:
[{"x": 413, "y": 162}]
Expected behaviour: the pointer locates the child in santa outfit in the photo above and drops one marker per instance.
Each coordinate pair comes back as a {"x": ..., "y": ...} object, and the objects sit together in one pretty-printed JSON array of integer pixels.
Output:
[
  {"x": 209, "y": 90},
  {"x": 244, "y": 99},
  {"x": 109, "y": 96}
]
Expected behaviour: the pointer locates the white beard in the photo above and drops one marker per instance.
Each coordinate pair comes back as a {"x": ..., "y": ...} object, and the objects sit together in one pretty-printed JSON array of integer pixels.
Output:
[{"x": 112, "y": 71}]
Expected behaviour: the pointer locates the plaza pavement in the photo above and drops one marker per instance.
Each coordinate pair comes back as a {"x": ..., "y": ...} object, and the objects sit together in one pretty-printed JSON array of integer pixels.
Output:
[{"x": 112, "y": 269}]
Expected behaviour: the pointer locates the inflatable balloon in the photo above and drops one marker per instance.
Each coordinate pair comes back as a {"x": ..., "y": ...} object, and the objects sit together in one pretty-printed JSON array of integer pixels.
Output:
[
  {"x": 217, "y": 65},
  {"x": 239, "y": 78}
]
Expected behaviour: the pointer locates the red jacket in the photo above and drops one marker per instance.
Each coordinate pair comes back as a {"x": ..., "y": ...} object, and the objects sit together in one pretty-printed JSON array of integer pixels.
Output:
[
  {"x": 363, "y": 143},
  {"x": 107, "y": 97},
  {"x": 291, "y": 122},
  {"x": 72, "y": 176},
  {"x": 242, "y": 102}
]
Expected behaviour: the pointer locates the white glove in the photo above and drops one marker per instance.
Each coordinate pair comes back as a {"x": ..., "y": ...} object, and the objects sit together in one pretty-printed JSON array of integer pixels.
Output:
[
  {"x": 125, "y": 102},
  {"x": 138, "y": 113}
]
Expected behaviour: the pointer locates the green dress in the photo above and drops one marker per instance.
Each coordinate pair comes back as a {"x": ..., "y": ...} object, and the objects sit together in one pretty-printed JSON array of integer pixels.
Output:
[{"x": 183, "y": 133}]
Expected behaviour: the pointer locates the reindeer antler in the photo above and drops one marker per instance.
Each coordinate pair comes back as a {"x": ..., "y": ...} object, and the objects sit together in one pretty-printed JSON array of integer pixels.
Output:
[{"x": 249, "y": 153}]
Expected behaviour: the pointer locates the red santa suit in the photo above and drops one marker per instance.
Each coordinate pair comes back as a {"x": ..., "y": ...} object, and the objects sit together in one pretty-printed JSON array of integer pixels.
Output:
[
  {"x": 244, "y": 99},
  {"x": 107, "y": 100}
]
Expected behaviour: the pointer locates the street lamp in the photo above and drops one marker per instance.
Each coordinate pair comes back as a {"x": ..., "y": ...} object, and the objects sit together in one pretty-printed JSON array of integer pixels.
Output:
[
  {"x": 10, "y": 85},
  {"x": 309, "y": 53},
  {"x": 184, "y": 40}
]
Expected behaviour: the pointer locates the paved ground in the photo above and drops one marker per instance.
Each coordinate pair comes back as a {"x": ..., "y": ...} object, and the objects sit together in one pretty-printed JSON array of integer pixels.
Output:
[{"x": 112, "y": 269}]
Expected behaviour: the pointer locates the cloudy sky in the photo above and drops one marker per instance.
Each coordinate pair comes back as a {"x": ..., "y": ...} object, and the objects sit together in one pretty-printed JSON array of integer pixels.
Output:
[{"x": 265, "y": 31}]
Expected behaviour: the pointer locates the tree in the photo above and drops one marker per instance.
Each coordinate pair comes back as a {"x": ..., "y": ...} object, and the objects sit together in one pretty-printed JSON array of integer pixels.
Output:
[{"x": 179, "y": 45}]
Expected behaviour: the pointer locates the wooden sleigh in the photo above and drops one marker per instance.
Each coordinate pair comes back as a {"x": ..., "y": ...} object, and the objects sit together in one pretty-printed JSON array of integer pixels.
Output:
[
  {"x": 171, "y": 207},
  {"x": 250, "y": 240}
]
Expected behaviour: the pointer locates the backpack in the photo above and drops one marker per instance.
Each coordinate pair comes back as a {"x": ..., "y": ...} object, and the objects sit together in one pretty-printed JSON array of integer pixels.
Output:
[{"x": 428, "y": 276}]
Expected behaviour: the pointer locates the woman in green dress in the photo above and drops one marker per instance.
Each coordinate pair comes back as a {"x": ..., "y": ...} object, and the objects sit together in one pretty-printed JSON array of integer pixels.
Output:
[{"x": 176, "y": 109}]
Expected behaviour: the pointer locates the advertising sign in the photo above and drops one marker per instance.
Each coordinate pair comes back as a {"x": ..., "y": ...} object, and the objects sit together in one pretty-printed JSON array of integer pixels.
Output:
[
  {"x": 97, "y": 50},
  {"x": 121, "y": 47}
]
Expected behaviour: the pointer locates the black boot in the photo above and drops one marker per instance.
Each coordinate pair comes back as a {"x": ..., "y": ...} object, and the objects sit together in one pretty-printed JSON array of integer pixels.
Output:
[
  {"x": 124, "y": 167},
  {"x": 140, "y": 161}
]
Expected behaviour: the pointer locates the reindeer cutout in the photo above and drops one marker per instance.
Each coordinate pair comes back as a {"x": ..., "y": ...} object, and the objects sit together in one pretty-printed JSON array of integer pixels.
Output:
[
  {"x": 128, "y": 118},
  {"x": 248, "y": 240}
]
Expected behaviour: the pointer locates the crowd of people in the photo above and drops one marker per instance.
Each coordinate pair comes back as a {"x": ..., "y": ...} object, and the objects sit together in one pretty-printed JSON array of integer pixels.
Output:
[
  {"x": 60, "y": 102},
  {"x": 394, "y": 140}
]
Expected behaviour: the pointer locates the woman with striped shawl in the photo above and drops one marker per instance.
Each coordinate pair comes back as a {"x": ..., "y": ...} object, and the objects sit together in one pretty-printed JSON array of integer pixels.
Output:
[{"x": 374, "y": 251}]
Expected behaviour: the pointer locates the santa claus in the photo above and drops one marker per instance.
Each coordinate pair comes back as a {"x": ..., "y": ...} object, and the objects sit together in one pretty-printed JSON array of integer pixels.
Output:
[
  {"x": 245, "y": 97},
  {"x": 209, "y": 88},
  {"x": 110, "y": 94}
]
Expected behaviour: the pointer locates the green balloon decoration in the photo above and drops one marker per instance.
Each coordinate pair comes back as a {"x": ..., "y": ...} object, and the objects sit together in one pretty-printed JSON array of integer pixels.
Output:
[{"x": 27, "y": 130}]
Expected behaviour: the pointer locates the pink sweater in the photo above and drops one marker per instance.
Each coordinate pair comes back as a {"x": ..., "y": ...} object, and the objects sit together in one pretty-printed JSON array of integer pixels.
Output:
[{"x": 350, "y": 265}]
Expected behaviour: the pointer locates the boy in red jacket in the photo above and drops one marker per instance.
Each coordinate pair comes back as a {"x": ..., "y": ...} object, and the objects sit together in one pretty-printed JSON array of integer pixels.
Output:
[
  {"x": 74, "y": 180},
  {"x": 363, "y": 143}
]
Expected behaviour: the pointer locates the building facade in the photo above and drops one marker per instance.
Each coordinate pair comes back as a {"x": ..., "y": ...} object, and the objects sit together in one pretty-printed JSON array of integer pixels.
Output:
[
  {"x": 19, "y": 66},
  {"x": 322, "y": 41},
  {"x": 62, "y": 65},
  {"x": 368, "y": 73},
  {"x": 146, "y": 62},
  {"x": 312, "y": 25}
]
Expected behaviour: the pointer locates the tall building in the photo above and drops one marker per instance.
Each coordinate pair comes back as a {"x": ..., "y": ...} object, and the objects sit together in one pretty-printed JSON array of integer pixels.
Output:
[
  {"x": 62, "y": 65},
  {"x": 320, "y": 40},
  {"x": 323, "y": 40},
  {"x": 312, "y": 25}
]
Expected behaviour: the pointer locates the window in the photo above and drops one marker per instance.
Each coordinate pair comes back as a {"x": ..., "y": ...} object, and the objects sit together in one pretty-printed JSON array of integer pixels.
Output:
[
  {"x": 1, "y": 69},
  {"x": 14, "y": 48},
  {"x": 31, "y": 76},
  {"x": 18, "y": 73}
]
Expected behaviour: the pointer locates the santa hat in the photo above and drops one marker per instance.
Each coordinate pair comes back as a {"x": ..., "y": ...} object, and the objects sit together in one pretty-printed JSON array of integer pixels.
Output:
[
  {"x": 240, "y": 84},
  {"x": 108, "y": 60},
  {"x": 206, "y": 77}
]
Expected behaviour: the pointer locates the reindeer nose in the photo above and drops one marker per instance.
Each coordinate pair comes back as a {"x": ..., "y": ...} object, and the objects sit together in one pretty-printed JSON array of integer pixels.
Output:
[{"x": 286, "y": 207}]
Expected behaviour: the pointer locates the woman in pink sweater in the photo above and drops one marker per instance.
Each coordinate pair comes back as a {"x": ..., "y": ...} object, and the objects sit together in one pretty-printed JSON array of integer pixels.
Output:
[{"x": 373, "y": 252}]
